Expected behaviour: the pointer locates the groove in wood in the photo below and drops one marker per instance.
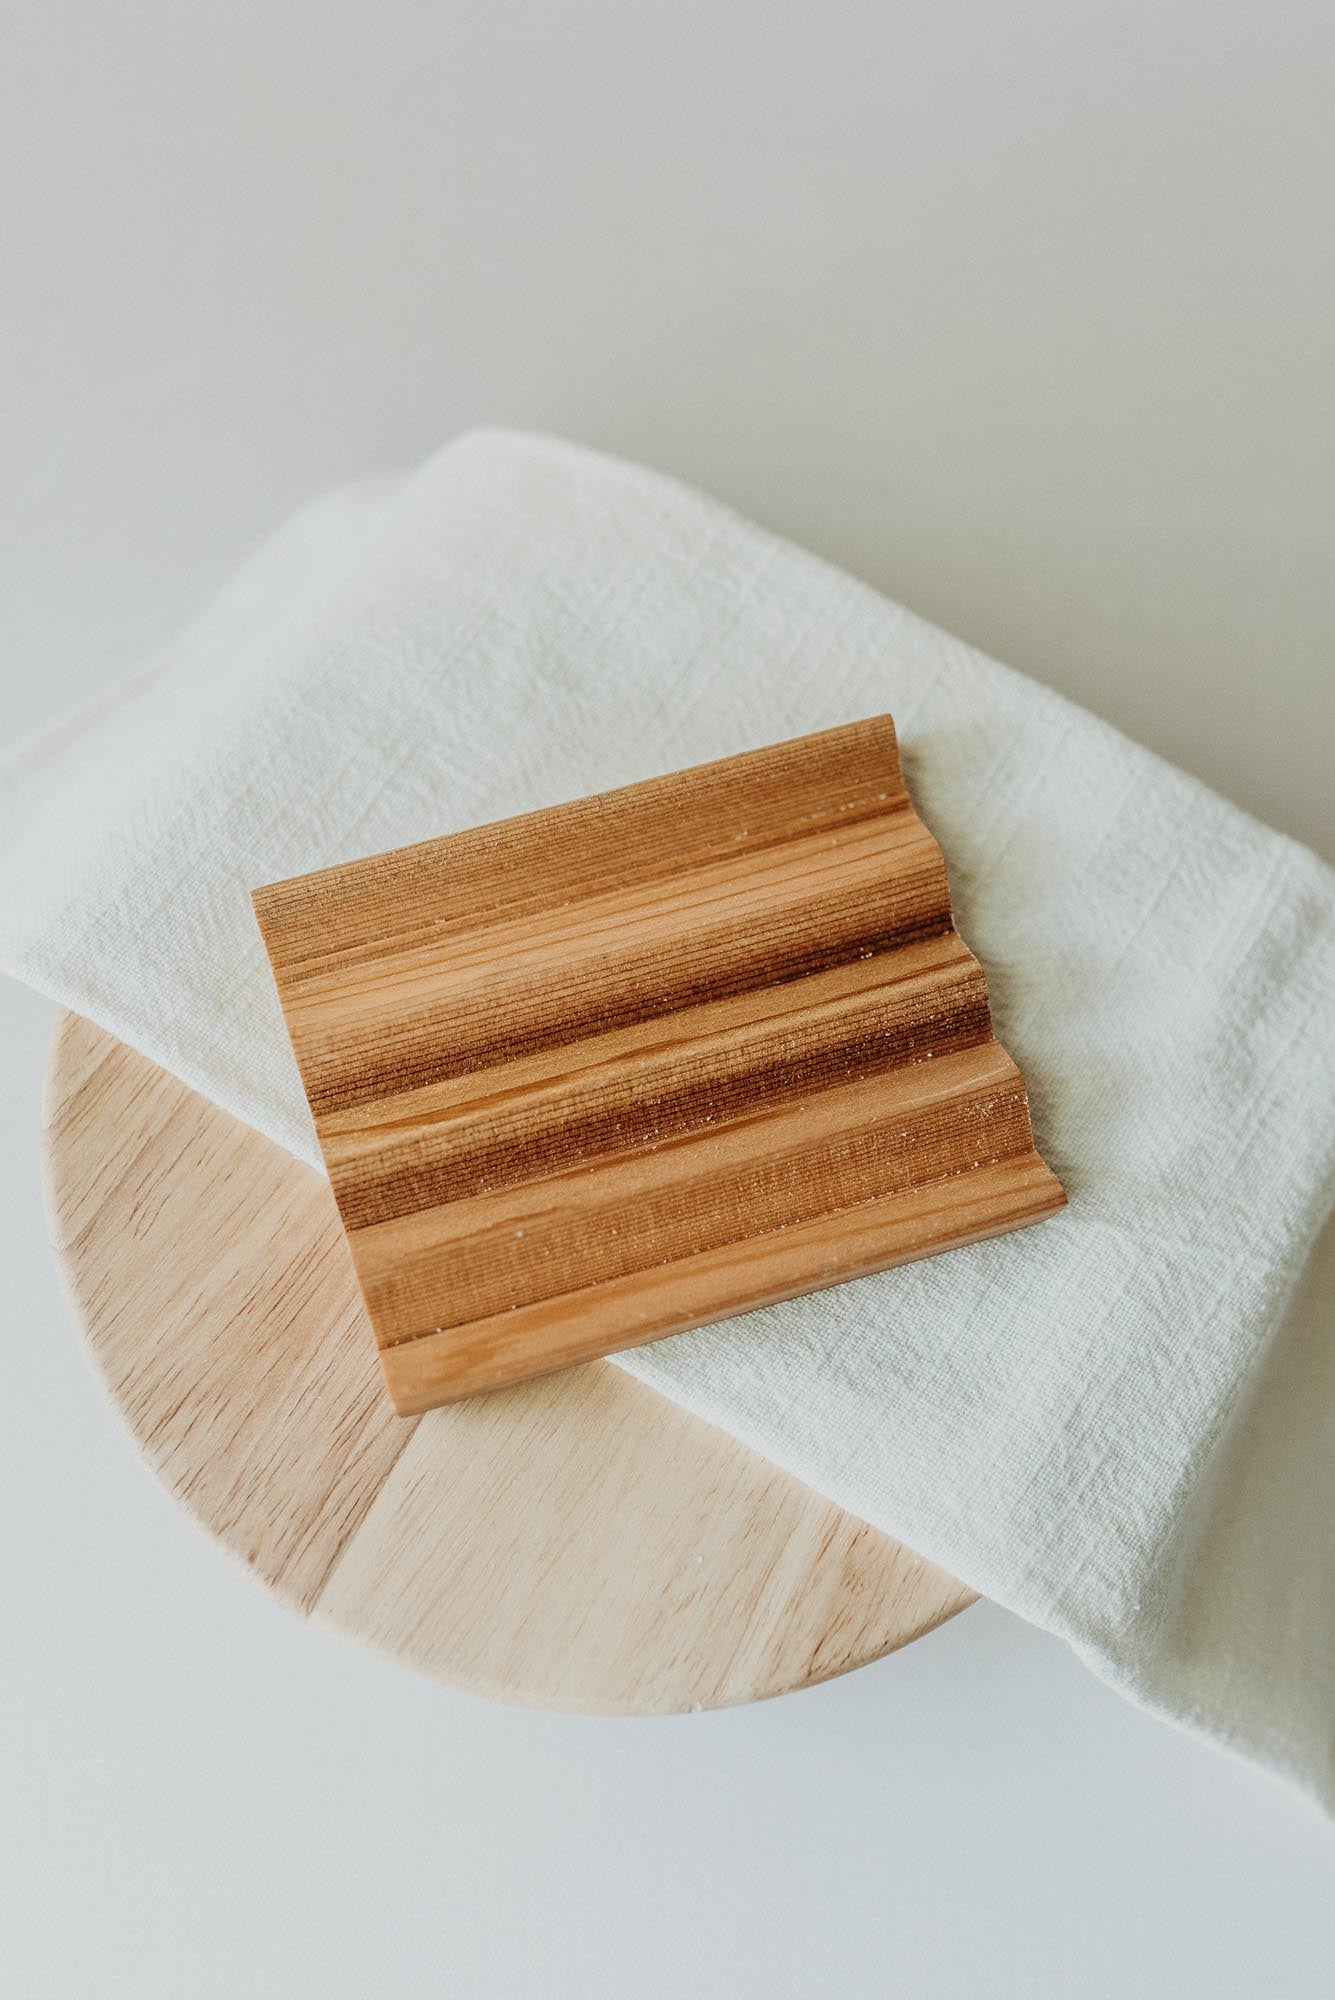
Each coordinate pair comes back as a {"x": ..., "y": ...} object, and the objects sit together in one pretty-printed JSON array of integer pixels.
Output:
[{"x": 624, "y": 1066}]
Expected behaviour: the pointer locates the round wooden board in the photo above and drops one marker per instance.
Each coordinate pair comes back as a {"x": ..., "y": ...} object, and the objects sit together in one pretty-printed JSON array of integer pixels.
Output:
[{"x": 577, "y": 1542}]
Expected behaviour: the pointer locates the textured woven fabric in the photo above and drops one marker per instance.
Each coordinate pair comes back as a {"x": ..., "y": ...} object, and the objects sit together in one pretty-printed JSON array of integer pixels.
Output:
[{"x": 1105, "y": 1422}]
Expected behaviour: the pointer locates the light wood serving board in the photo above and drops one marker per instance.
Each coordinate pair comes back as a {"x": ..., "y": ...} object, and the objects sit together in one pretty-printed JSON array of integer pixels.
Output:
[
  {"x": 574, "y": 1542},
  {"x": 652, "y": 1058}
]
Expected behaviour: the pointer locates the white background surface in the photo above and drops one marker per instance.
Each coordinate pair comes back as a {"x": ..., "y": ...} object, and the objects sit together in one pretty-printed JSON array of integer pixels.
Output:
[{"x": 1022, "y": 313}]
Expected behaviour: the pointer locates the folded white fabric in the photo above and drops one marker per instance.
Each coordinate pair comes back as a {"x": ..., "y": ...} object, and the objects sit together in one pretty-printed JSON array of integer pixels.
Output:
[{"x": 1095, "y": 1421}]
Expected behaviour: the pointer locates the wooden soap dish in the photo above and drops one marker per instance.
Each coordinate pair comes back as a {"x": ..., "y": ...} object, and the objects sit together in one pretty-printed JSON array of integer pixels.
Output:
[{"x": 624, "y": 1066}]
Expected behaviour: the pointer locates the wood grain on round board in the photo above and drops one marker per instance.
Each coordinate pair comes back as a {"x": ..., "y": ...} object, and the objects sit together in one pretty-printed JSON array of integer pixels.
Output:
[{"x": 574, "y": 1542}]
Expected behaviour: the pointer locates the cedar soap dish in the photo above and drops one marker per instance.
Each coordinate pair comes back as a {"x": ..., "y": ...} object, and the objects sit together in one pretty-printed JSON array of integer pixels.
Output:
[{"x": 624, "y": 1066}]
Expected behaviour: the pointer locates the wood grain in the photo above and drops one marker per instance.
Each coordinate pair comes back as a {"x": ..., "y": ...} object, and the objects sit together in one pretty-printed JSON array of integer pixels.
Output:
[
  {"x": 576, "y": 1542},
  {"x": 628, "y": 1065}
]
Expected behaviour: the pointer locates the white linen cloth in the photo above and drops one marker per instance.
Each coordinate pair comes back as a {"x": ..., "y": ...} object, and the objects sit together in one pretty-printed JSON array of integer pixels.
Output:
[{"x": 1103, "y": 1421}]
